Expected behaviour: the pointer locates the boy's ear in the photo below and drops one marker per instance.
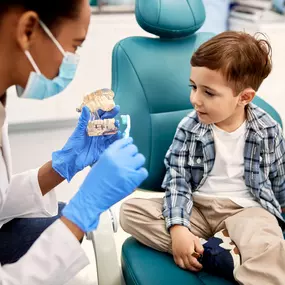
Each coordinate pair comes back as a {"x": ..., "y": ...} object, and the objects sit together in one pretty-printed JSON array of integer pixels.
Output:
[{"x": 246, "y": 96}]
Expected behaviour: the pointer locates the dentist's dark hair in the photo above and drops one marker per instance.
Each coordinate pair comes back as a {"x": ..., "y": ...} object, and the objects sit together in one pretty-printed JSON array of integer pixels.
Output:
[{"x": 51, "y": 12}]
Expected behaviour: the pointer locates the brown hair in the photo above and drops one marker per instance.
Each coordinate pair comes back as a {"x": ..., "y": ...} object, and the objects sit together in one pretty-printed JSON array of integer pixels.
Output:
[{"x": 244, "y": 60}]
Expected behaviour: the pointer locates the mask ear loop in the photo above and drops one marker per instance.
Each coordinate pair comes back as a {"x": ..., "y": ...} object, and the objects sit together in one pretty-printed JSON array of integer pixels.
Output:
[
  {"x": 31, "y": 60},
  {"x": 48, "y": 32}
]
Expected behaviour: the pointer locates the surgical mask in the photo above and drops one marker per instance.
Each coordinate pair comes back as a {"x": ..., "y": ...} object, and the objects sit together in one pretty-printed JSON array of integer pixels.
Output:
[{"x": 38, "y": 86}]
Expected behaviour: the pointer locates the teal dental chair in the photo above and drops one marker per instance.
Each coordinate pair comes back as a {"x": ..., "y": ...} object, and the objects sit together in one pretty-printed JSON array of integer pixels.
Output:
[{"x": 150, "y": 79}]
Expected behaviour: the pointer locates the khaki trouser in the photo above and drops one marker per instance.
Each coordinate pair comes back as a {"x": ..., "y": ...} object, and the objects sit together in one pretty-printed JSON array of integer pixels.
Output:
[{"x": 254, "y": 230}]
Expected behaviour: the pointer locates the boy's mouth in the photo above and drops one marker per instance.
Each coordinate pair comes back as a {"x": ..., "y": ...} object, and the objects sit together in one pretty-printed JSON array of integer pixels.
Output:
[{"x": 201, "y": 113}]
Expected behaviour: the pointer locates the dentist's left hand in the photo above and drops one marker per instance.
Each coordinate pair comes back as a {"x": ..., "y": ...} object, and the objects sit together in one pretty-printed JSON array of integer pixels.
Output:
[
  {"x": 118, "y": 172},
  {"x": 81, "y": 150}
]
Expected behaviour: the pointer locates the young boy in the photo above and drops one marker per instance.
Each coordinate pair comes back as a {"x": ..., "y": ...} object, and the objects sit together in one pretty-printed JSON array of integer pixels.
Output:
[{"x": 225, "y": 172}]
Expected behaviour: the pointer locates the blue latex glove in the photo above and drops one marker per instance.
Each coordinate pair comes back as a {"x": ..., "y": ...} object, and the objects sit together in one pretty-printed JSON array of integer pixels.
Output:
[
  {"x": 116, "y": 175},
  {"x": 81, "y": 150}
]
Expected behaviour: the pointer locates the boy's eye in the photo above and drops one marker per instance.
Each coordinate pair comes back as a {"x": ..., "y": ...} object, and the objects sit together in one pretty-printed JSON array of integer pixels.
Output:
[
  {"x": 209, "y": 93},
  {"x": 194, "y": 87}
]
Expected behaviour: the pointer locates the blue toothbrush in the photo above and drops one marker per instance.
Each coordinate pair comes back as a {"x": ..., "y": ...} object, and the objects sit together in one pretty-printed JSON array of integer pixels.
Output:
[{"x": 126, "y": 120}]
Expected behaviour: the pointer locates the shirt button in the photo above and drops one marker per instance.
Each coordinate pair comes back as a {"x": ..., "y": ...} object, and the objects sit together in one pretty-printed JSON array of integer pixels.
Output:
[{"x": 199, "y": 160}]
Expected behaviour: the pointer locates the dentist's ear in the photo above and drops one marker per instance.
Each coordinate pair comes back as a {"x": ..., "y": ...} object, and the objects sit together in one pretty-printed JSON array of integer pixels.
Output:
[
  {"x": 28, "y": 27},
  {"x": 246, "y": 96}
]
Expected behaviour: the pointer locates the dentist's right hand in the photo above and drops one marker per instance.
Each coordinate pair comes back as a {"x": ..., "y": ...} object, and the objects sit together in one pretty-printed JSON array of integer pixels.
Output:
[{"x": 117, "y": 173}]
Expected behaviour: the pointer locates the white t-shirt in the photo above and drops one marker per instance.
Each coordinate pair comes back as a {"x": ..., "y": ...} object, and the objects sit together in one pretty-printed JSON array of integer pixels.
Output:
[{"x": 226, "y": 180}]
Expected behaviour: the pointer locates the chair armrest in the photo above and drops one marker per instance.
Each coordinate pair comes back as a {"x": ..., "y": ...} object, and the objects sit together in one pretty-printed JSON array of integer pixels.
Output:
[{"x": 108, "y": 268}]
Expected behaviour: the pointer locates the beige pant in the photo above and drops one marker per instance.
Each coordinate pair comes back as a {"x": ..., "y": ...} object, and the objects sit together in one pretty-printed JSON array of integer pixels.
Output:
[{"x": 254, "y": 230}]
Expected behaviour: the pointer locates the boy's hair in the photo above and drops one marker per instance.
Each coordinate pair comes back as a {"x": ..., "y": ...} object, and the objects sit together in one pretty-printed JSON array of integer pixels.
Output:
[{"x": 244, "y": 60}]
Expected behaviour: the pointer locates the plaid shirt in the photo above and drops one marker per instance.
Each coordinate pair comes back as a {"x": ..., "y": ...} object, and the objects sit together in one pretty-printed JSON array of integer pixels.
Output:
[{"x": 191, "y": 157}]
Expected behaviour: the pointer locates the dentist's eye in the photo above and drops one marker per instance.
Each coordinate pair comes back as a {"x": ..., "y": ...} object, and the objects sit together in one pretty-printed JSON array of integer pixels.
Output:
[{"x": 76, "y": 48}]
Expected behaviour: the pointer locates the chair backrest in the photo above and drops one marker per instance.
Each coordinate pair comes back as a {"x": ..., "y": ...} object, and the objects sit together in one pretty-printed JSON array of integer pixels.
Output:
[{"x": 150, "y": 76}]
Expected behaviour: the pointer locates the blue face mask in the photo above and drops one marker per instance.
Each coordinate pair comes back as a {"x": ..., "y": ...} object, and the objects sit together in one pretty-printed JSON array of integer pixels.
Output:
[{"x": 38, "y": 86}]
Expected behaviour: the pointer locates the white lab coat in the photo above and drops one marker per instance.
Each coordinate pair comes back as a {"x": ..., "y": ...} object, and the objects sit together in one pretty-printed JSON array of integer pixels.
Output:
[{"x": 57, "y": 255}]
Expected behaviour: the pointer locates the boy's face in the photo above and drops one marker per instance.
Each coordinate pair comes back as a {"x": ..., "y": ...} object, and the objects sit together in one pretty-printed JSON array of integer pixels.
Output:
[{"x": 212, "y": 98}]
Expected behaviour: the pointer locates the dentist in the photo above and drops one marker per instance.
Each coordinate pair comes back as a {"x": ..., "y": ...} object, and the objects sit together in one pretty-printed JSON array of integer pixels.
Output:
[{"x": 39, "y": 239}]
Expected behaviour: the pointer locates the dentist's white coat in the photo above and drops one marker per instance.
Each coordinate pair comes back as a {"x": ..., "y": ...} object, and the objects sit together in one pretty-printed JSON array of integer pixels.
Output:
[{"x": 57, "y": 255}]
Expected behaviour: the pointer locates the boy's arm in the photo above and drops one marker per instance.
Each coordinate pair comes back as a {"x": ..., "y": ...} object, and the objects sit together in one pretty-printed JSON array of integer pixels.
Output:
[
  {"x": 278, "y": 180},
  {"x": 178, "y": 197}
]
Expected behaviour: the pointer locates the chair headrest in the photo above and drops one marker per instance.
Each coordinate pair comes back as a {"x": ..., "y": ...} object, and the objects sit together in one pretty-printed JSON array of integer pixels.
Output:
[{"x": 170, "y": 18}]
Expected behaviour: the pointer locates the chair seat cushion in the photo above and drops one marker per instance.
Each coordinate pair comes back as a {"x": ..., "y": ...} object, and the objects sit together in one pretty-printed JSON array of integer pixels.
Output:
[{"x": 144, "y": 266}]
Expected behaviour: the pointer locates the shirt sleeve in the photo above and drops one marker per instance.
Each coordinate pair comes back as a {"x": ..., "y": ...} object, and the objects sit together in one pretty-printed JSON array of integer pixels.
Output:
[
  {"x": 53, "y": 259},
  {"x": 23, "y": 198},
  {"x": 178, "y": 196},
  {"x": 277, "y": 176}
]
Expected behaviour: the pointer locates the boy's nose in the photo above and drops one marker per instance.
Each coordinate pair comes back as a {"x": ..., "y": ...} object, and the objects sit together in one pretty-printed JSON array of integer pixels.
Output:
[{"x": 195, "y": 99}]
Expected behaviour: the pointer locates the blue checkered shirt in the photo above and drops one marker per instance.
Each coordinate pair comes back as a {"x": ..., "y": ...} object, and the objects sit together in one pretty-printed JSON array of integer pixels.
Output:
[{"x": 191, "y": 157}]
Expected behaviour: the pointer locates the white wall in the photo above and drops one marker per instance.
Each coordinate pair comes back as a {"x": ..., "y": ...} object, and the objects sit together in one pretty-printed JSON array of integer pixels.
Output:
[{"x": 273, "y": 88}]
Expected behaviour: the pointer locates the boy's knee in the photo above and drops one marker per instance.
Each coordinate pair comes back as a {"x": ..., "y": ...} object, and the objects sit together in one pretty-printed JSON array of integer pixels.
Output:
[
  {"x": 137, "y": 212},
  {"x": 126, "y": 214}
]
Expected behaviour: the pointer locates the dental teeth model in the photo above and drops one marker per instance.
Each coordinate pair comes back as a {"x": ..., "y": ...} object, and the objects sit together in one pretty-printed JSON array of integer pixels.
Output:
[
  {"x": 102, "y": 99},
  {"x": 101, "y": 127}
]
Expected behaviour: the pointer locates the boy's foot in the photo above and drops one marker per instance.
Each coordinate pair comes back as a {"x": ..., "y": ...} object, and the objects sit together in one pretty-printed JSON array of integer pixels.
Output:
[{"x": 221, "y": 256}]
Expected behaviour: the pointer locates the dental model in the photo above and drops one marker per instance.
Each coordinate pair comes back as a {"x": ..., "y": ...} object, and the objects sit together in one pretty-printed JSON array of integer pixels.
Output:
[
  {"x": 102, "y": 127},
  {"x": 101, "y": 99}
]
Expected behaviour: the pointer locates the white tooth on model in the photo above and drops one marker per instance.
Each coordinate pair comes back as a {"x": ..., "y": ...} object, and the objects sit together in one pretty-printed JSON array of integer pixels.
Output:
[
  {"x": 101, "y": 99},
  {"x": 102, "y": 127}
]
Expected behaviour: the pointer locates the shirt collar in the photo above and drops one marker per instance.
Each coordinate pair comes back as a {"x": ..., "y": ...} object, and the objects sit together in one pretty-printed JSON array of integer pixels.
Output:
[
  {"x": 199, "y": 129},
  {"x": 256, "y": 121}
]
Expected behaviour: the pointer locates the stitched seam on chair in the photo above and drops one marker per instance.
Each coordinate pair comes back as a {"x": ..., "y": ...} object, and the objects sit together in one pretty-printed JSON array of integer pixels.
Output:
[
  {"x": 130, "y": 270},
  {"x": 145, "y": 99},
  {"x": 162, "y": 29},
  {"x": 201, "y": 280},
  {"x": 158, "y": 19},
  {"x": 175, "y": 31},
  {"x": 168, "y": 112},
  {"x": 191, "y": 12}
]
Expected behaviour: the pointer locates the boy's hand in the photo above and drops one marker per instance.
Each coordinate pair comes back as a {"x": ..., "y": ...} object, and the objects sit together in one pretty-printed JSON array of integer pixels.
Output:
[{"x": 184, "y": 244}]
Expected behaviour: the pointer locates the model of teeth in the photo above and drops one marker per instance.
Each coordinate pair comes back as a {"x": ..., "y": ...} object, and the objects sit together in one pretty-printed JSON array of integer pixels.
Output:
[
  {"x": 102, "y": 127},
  {"x": 102, "y": 99}
]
